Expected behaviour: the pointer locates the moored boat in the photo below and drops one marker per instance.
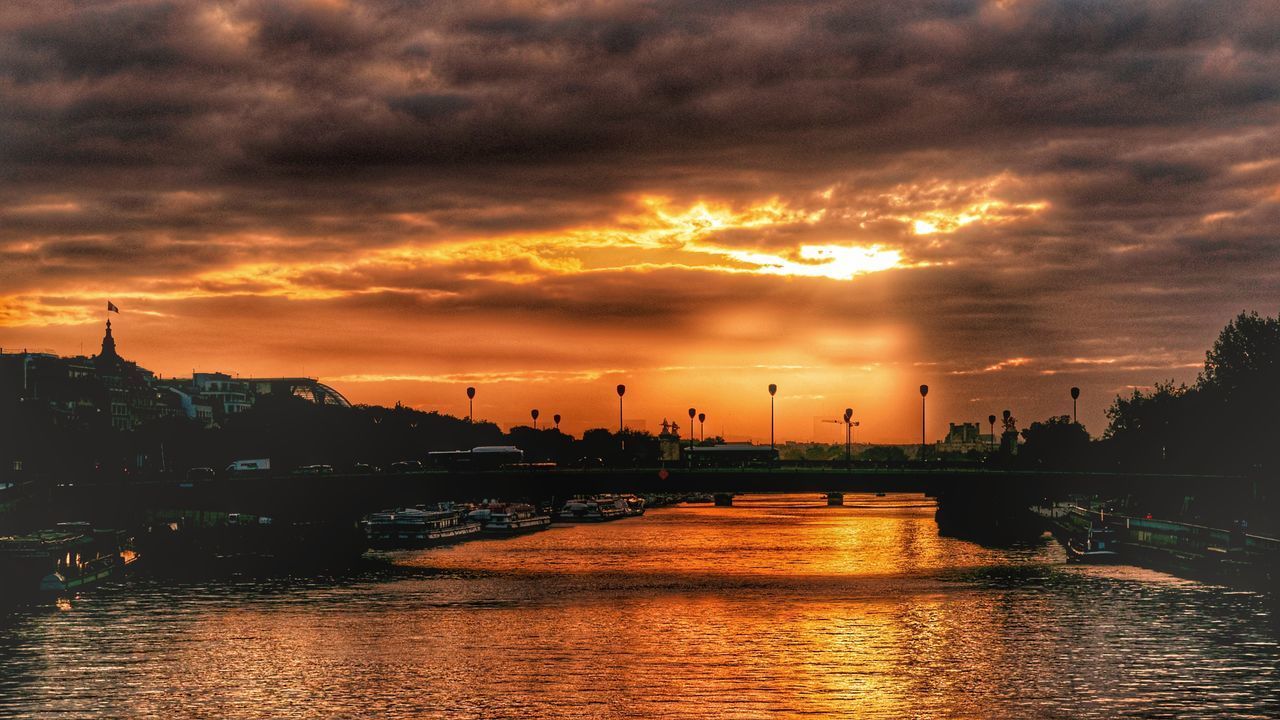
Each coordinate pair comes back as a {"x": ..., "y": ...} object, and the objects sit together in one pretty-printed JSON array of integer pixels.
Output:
[
  {"x": 417, "y": 527},
  {"x": 635, "y": 505},
  {"x": 595, "y": 509},
  {"x": 67, "y": 558},
  {"x": 1097, "y": 546},
  {"x": 502, "y": 519}
]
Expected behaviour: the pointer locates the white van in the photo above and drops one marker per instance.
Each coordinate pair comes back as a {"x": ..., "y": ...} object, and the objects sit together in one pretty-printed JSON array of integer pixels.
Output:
[{"x": 240, "y": 466}]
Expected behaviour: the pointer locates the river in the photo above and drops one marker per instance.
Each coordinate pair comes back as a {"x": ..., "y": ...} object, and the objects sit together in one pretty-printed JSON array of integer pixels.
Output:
[{"x": 778, "y": 606}]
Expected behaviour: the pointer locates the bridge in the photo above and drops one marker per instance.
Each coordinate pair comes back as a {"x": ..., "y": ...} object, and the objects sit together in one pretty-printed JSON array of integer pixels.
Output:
[{"x": 975, "y": 494}]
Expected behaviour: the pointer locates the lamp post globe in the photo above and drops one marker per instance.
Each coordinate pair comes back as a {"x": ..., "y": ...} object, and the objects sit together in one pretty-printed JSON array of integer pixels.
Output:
[
  {"x": 471, "y": 404},
  {"x": 924, "y": 392},
  {"x": 534, "y": 414},
  {"x": 1075, "y": 395},
  {"x": 556, "y": 419},
  {"x": 773, "y": 390}
]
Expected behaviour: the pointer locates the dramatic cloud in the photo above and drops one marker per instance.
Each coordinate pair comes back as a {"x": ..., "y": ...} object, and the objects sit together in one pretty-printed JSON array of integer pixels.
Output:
[{"x": 1002, "y": 199}]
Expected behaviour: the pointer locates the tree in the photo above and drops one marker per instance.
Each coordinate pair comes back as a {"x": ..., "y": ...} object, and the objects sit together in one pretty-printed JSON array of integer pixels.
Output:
[
  {"x": 1225, "y": 423},
  {"x": 1245, "y": 359},
  {"x": 1241, "y": 388},
  {"x": 883, "y": 454},
  {"x": 1058, "y": 442},
  {"x": 1153, "y": 430}
]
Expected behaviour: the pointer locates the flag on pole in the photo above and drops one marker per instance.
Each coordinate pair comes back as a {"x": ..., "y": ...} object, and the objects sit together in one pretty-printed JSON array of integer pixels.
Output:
[{"x": 112, "y": 308}]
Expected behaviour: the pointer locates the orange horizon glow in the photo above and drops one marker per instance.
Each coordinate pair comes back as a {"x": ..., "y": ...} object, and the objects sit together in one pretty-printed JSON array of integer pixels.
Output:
[{"x": 305, "y": 317}]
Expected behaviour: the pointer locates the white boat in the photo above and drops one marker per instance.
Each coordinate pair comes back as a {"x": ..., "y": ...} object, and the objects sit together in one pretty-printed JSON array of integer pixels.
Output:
[
  {"x": 596, "y": 509},
  {"x": 509, "y": 518},
  {"x": 417, "y": 527}
]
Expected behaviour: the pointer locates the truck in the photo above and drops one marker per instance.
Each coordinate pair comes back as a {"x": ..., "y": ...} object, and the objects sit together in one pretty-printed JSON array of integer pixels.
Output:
[{"x": 246, "y": 466}]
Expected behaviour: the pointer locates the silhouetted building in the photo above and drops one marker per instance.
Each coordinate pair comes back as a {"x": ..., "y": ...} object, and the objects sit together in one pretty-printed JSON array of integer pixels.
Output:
[
  {"x": 106, "y": 388},
  {"x": 963, "y": 438},
  {"x": 130, "y": 397},
  {"x": 83, "y": 390}
]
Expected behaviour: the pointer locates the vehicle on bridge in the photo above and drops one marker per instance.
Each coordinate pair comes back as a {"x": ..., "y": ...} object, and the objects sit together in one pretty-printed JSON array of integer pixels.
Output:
[
  {"x": 248, "y": 466},
  {"x": 313, "y": 470},
  {"x": 732, "y": 455},
  {"x": 406, "y": 466},
  {"x": 486, "y": 457}
]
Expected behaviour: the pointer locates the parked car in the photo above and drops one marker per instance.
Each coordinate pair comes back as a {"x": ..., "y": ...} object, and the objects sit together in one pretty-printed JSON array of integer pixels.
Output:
[
  {"x": 406, "y": 466},
  {"x": 314, "y": 470}
]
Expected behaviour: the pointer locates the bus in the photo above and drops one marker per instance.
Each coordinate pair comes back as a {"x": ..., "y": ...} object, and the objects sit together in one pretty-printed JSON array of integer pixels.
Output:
[
  {"x": 732, "y": 455},
  {"x": 487, "y": 457}
]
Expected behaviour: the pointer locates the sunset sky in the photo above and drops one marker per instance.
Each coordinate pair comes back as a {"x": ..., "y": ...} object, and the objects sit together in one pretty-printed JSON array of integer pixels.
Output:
[{"x": 545, "y": 199}]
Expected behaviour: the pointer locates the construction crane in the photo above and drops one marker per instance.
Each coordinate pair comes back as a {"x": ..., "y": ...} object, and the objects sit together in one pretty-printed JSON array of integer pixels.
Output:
[{"x": 849, "y": 424}]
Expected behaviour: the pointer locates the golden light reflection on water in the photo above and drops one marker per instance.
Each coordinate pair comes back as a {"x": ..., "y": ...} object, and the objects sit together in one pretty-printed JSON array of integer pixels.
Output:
[{"x": 776, "y": 607}]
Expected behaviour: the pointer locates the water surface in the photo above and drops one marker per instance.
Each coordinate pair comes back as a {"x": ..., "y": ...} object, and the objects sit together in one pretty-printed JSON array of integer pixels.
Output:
[{"x": 778, "y": 606}]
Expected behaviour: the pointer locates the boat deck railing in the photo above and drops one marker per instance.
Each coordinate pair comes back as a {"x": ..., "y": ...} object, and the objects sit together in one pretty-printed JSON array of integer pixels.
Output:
[{"x": 1178, "y": 535}]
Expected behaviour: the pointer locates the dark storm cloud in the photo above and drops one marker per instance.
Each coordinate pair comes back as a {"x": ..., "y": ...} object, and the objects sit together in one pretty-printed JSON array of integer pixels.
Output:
[{"x": 157, "y": 140}]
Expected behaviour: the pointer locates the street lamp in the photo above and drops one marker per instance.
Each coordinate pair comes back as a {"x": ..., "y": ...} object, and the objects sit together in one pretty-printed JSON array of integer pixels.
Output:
[
  {"x": 924, "y": 391},
  {"x": 534, "y": 414},
  {"x": 471, "y": 404},
  {"x": 702, "y": 424},
  {"x": 692, "y": 413},
  {"x": 1075, "y": 395},
  {"x": 992, "y": 420},
  {"x": 556, "y": 418},
  {"x": 773, "y": 390},
  {"x": 622, "y": 390},
  {"x": 848, "y": 435}
]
